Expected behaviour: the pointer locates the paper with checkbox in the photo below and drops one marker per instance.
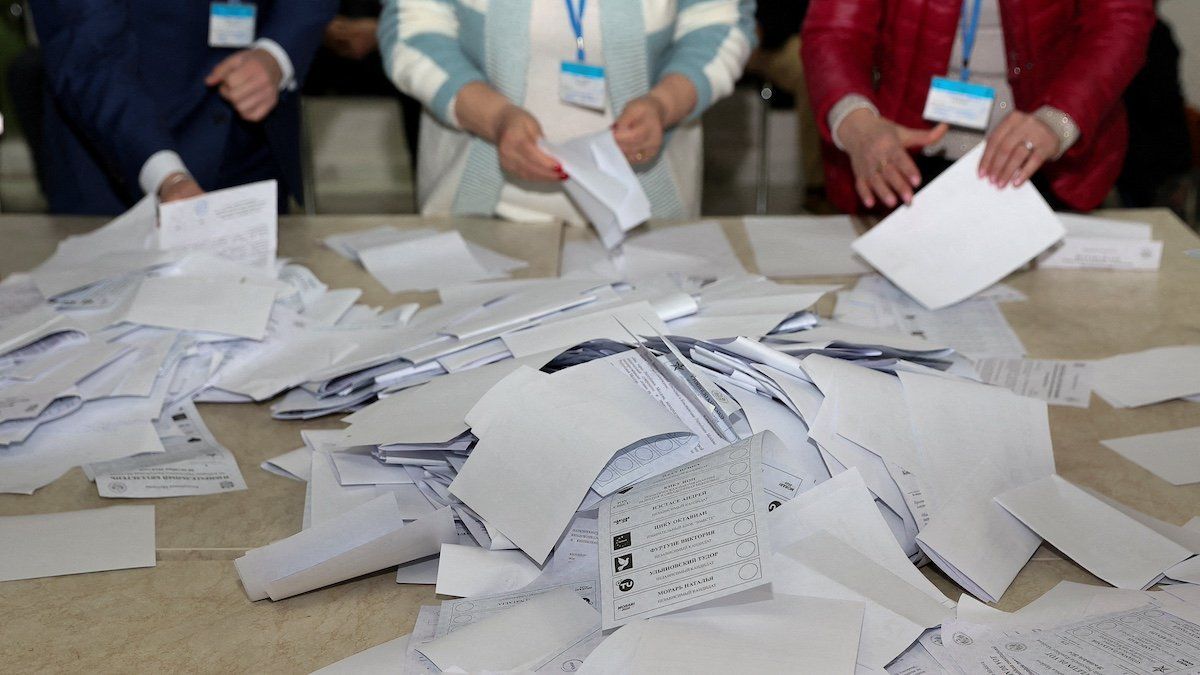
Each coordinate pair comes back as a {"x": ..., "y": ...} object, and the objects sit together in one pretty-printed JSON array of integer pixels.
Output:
[{"x": 688, "y": 536}]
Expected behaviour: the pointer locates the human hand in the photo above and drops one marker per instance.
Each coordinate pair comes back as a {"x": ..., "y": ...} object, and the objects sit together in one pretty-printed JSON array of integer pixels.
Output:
[
  {"x": 249, "y": 80},
  {"x": 178, "y": 186},
  {"x": 517, "y": 134},
  {"x": 352, "y": 38},
  {"x": 878, "y": 148},
  {"x": 639, "y": 130},
  {"x": 1016, "y": 149}
]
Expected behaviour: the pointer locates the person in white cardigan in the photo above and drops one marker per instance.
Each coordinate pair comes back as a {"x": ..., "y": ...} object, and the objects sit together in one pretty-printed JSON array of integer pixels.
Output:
[{"x": 490, "y": 77}]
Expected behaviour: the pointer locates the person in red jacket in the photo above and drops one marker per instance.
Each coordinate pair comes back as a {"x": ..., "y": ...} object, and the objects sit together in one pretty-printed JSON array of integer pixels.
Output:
[{"x": 1055, "y": 69}]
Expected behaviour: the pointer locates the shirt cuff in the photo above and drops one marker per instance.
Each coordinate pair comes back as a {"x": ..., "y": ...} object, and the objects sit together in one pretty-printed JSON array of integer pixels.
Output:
[
  {"x": 842, "y": 109},
  {"x": 156, "y": 169},
  {"x": 288, "y": 81},
  {"x": 1062, "y": 125}
]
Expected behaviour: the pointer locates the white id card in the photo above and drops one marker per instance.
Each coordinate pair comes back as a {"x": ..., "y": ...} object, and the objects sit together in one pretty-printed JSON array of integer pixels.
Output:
[
  {"x": 231, "y": 24},
  {"x": 959, "y": 103},
  {"x": 582, "y": 85}
]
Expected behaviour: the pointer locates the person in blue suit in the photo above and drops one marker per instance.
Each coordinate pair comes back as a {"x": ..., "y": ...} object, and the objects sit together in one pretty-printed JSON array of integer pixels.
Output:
[{"x": 140, "y": 102}]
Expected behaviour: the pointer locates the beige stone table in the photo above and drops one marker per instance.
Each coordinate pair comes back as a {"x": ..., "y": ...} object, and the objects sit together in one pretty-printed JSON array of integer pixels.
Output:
[{"x": 189, "y": 613}]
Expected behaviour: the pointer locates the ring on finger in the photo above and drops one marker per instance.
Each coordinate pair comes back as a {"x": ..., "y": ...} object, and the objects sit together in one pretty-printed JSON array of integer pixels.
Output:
[
  {"x": 1029, "y": 146},
  {"x": 638, "y": 156}
]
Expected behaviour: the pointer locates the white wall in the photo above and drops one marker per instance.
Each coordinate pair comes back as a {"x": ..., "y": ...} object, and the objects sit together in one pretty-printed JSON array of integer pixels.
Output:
[{"x": 1184, "y": 18}]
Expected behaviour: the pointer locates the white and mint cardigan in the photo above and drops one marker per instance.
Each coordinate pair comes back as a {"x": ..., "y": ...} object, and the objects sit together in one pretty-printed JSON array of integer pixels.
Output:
[{"x": 432, "y": 48}]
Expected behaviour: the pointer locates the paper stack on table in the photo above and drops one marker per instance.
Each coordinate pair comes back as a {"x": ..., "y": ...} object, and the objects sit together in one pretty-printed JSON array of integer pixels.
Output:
[{"x": 1098, "y": 243}]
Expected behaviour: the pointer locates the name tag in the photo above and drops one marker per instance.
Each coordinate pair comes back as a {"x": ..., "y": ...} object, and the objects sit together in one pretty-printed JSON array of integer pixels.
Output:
[
  {"x": 1113, "y": 254},
  {"x": 582, "y": 85},
  {"x": 961, "y": 104},
  {"x": 231, "y": 24}
]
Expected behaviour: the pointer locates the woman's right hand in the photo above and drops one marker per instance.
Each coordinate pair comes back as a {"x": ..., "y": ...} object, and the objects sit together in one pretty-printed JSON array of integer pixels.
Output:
[
  {"x": 517, "y": 134},
  {"x": 878, "y": 149}
]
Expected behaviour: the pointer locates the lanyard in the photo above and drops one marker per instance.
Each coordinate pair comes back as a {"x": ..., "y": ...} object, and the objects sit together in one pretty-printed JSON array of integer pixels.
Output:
[
  {"x": 576, "y": 17},
  {"x": 968, "y": 26}
]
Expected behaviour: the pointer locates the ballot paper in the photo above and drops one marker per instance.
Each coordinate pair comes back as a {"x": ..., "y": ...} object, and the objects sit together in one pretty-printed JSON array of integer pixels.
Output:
[
  {"x": 363, "y": 540},
  {"x": 1103, "y": 540},
  {"x": 960, "y": 235},
  {"x": 1142, "y": 641},
  {"x": 522, "y": 637},
  {"x": 688, "y": 536},
  {"x": 796, "y": 246},
  {"x": 543, "y": 441},
  {"x": 602, "y": 184},
  {"x": 786, "y": 634},
  {"x": 1055, "y": 382},
  {"x": 53, "y": 450},
  {"x": 238, "y": 223},
  {"x": 192, "y": 464},
  {"x": 1173, "y": 456},
  {"x": 74, "y": 542},
  {"x": 1099, "y": 243},
  {"x": 425, "y": 263},
  {"x": 210, "y": 304},
  {"x": 383, "y": 659},
  {"x": 1150, "y": 376},
  {"x": 296, "y": 464}
]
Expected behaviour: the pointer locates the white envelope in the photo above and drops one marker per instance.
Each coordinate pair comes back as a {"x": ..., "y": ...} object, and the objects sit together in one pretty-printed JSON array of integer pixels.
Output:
[{"x": 603, "y": 185}]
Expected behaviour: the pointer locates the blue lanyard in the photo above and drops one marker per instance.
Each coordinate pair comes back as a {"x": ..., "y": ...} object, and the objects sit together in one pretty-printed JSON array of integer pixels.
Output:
[
  {"x": 968, "y": 26},
  {"x": 576, "y": 17}
]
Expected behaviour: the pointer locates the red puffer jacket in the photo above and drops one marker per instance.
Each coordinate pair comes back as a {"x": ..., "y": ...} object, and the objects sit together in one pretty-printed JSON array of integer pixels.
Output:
[{"x": 1075, "y": 55}]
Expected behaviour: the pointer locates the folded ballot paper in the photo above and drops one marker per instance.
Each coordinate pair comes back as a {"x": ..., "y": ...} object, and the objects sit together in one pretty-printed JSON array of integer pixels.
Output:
[
  {"x": 603, "y": 185},
  {"x": 960, "y": 235}
]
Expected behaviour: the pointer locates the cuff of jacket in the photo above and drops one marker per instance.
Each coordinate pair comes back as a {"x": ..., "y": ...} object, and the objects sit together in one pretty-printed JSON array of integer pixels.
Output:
[
  {"x": 1062, "y": 125},
  {"x": 442, "y": 105},
  {"x": 156, "y": 169},
  {"x": 288, "y": 81},
  {"x": 842, "y": 109},
  {"x": 704, "y": 92}
]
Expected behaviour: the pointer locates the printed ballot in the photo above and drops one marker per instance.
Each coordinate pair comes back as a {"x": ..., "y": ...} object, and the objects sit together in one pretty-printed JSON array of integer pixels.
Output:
[
  {"x": 238, "y": 224},
  {"x": 602, "y": 184},
  {"x": 691, "y": 535},
  {"x": 1055, "y": 382},
  {"x": 960, "y": 235}
]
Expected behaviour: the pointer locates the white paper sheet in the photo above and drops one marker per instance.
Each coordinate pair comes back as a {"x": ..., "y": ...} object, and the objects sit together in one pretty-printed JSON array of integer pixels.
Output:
[
  {"x": 383, "y": 659},
  {"x": 52, "y": 451},
  {"x": 1173, "y": 456},
  {"x": 691, "y": 535},
  {"x": 470, "y": 571},
  {"x": 74, "y": 542},
  {"x": 363, "y": 540},
  {"x": 238, "y": 223},
  {"x": 522, "y": 637},
  {"x": 1150, "y": 376},
  {"x": 960, "y": 235},
  {"x": 296, "y": 464},
  {"x": 795, "y": 246},
  {"x": 543, "y": 441},
  {"x": 602, "y": 184},
  {"x": 424, "y": 263},
  {"x": 638, "y": 317},
  {"x": 215, "y": 305},
  {"x": 1105, "y": 541},
  {"x": 787, "y": 634}
]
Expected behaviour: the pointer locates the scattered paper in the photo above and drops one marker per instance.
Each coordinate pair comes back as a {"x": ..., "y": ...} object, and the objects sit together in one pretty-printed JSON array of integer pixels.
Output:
[
  {"x": 1055, "y": 382},
  {"x": 1173, "y": 456},
  {"x": 238, "y": 224},
  {"x": 603, "y": 185},
  {"x": 215, "y": 305},
  {"x": 797, "y": 246},
  {"x": 74, "y": 542},
  {"x": 1150, "y": 376}
]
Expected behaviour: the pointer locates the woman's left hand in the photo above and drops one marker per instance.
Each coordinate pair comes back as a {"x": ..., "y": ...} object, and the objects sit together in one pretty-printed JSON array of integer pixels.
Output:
[
  {"x": 1018, "y": 147},
  {"x": 639, "y": 129}
]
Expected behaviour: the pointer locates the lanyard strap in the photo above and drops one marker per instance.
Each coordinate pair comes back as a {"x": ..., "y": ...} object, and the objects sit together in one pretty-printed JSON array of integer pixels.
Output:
[
  {"x": 969, "y": 26},
  {"x": 576, "y": 17}
]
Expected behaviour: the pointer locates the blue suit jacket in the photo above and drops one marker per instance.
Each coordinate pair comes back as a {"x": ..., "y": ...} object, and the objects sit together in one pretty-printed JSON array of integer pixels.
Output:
[{"x": 125, "y": 79}]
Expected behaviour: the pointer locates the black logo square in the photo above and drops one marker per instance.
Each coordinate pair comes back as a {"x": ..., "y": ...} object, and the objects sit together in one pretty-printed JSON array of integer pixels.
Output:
[
  {"x": 622, "y": 541},
  {"x": 623, "y": 563}
]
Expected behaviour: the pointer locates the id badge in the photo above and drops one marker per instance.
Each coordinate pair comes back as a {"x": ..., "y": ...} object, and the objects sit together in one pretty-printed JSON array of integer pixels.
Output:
[
  {"x": 959, "y": 103},
  {"x": 582, "y": 85},
  {"x": 231, "y": 24}
]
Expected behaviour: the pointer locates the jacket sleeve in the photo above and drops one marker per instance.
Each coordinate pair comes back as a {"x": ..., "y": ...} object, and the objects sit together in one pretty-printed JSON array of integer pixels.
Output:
[
  {"x": 91, "y": 58},
  {"x": 1109, "y": 51},
  {"x": 298, "y": 26},
  {"x": 711, "y": 44},
  {"x": 419, "y": 42},
  {"x": 837, "y": 45}
]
